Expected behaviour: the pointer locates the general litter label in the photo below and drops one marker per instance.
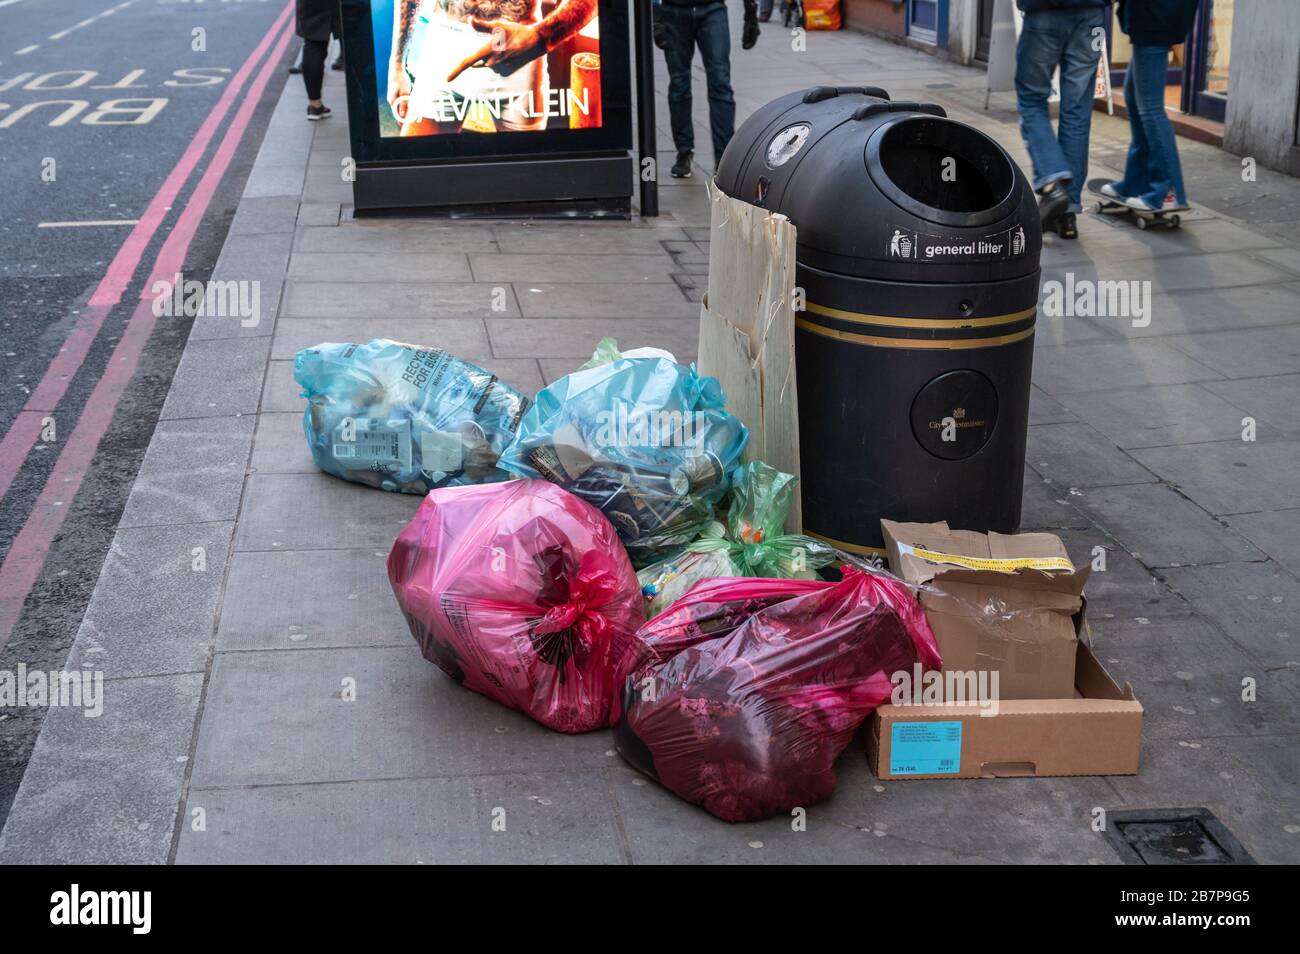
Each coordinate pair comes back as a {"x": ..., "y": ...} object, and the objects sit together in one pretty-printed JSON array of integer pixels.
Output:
[
  {"x": 925, "y": 748},
  {"x": 924, "y": 247}
]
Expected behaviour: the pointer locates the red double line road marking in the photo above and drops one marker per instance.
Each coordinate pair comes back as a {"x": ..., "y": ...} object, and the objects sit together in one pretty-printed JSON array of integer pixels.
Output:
[
  {"x": 22, "y": 434},
  {"x": 27, "y": 555}
]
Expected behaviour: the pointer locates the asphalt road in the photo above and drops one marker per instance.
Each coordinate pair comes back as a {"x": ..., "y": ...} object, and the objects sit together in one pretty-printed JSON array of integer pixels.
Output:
[{"x": 99, "y": 102}]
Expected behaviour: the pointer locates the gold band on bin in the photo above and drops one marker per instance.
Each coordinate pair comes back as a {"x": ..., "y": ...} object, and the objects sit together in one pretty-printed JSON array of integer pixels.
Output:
[
  {"x": 933, "y": 343},
  {"x": 845, "y": 545},
  {"x": 887, "y": 321}
]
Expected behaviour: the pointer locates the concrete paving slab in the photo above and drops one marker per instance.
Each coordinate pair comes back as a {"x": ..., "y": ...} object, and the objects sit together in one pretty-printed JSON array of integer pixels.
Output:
[
  {"x": 607, "y": 301},
  {"x": 254, "y": 257},
  {"x": 154, "y": 608},
  {"x": 1118, "y": 583},
  {"x": 1170, "y": 414},
  {"x": 1229, "y": 476},
  {"x": 544, "y": 269},
  {"x": 319, "y": 213},
  {"x": 1188, "y": 677},
  {"x": 342, "y": 598},
  {"x": 1217, "y": 309},
  {"x": 1045, "y": 506},
  {"x": 1273, "y": 400},
  {"x": 280, "y": 392},
  {"x": 1077, "y": 455},
  {"x": 460, "y": 336},
  {"x": 280, "y": 446},
  {"x": 1254, "y": 603},
  {"x": 1215, "y": 270},
  {"x": 397, "y": 235},
  {"x": 1114, "y": 364},
  {"x": 1162, "y": 528},
  {"x": 1286, "y": 257},
  {"x": 1047, "y": 410},
  {"x": 577, "y": 337},
  {"x": 270, "y": 180},
  {"x": 1276, "y": 532},
  {"x": 106, "y": 790},
  {"x": 583, "y": 239},
  {"x": 1108, "y": 245},
  {"x": 387, "y": 267},
  {"x": 556, "y": 818},
  {"x": 288, "y": 512},
  {"x": 218, "y": 378},
  {"x": 1248, "y": 353},
  {"x": 1008, "y": 820},
  {"x": 258, "y": 321},
  {"x": 283, "y": 721},
  {"x": 256, "y": 216},
  {"x": 193, "y": 472},
  {"x": 1249, "y": 784},
  {"x": 395, "y": 301}
]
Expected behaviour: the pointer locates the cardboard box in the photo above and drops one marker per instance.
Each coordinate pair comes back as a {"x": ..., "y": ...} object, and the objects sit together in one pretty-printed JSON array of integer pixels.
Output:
[
  {"x": 1011, "y": 604},
  {"x": 1098, "y": 731}
]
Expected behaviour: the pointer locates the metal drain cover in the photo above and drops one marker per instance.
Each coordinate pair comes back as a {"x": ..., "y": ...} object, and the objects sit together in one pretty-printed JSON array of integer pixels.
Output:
[{"x": 1174, "y": 836}]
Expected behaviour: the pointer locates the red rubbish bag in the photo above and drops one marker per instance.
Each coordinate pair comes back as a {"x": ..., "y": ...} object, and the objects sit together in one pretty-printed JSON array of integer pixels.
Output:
[
  {"x": 745, "y": 691},
  {"x": 522, "y": 592}
]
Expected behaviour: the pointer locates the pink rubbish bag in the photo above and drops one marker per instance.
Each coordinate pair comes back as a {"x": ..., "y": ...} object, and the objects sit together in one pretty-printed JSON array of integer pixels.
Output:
[
  {"x": 522, "y": 592},
  {"x": 741, "y": 700}
]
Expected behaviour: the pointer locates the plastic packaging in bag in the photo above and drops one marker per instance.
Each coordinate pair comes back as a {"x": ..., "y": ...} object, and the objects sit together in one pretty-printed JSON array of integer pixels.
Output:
[
  {"x": 607, "y": 353},
  {"x": 401, "y": 417},
  {"x": 744, "y": 711},
  {"x": 521, "y": 592},
  {"x": 645, "y": 440},
  {"x": 750, "y": 543}
]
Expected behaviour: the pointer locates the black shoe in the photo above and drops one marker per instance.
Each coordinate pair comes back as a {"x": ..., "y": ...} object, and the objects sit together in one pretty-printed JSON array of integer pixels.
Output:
[
  {"x": 1052, "y": 203},
  {"x": 682, "y": 167},
  {"x": 296, "y": 66},
  {"x": 317, "y": 113},
  {"x": 1067, "y": 226},
  {"x": 339, "y": 64}
]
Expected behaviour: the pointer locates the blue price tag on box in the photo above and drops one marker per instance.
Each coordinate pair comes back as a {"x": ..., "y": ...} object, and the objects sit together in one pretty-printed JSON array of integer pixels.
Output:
[{"x": 925, "y": 748}]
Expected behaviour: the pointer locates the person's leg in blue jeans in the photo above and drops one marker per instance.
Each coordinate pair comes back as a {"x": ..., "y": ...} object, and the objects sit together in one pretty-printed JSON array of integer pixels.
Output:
[
  {"x": 1078, "y": 71},
  {"x": 679, "y": 29},
  {"x": 714, "y": 37},
  {"x": 1037, "y": 54},
  {"x": 1136, "y": 180},
  {"x": 1164, "y": 172}
]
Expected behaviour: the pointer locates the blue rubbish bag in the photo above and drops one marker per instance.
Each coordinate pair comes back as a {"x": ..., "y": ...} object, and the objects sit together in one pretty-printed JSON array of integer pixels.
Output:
[
  {"x": 645, "y": 440},
  {"x": 405, "y": 418}
]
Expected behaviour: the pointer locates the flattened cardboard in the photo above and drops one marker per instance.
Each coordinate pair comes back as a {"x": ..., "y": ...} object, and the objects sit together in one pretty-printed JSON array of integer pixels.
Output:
[
  {"x": 1097, "y": 731},
  {"x": 1022, "y": 624},
  {"x": 747, "y": 330}
]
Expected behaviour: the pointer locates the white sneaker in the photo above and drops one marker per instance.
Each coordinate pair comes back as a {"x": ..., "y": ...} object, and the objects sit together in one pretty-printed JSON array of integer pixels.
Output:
[
  {"x": 1109, "y": 191},
  {"x": 1140, "y": 204}
]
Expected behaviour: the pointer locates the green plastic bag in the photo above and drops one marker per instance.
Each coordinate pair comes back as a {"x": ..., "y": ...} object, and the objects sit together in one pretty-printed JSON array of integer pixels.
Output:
[{"x": 752, "y": 542}]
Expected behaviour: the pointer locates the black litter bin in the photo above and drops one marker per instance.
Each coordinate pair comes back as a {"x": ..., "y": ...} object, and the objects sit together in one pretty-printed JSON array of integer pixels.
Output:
[{"x": 918, "y": 247}]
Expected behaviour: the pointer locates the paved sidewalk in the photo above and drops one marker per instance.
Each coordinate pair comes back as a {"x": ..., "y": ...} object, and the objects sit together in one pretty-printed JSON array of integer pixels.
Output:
[{"x": 225, "y": 736}]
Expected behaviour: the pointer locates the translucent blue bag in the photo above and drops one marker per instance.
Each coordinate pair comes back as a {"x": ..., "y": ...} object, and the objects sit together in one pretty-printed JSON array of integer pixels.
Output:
[
  {"x": 402, "y": 417},
  {"x": 645, "y": 440}
]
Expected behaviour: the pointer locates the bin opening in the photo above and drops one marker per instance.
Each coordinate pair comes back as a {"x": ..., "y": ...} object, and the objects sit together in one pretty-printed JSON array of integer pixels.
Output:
[{"x": 914, "y": 155}]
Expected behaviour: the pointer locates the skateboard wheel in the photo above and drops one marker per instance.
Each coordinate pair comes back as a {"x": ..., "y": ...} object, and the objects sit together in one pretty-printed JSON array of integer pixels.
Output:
[
  {"x": 1142, "y": 223},
  {"x": 1174, "y": 222}
]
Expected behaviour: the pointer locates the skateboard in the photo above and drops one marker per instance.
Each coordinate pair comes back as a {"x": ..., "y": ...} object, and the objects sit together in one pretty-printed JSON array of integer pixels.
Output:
[{"x": 1105, "y": 205}]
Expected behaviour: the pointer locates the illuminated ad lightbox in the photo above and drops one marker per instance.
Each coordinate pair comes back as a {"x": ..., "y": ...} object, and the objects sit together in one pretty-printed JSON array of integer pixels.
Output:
[{"x": 460, "y": 79}]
